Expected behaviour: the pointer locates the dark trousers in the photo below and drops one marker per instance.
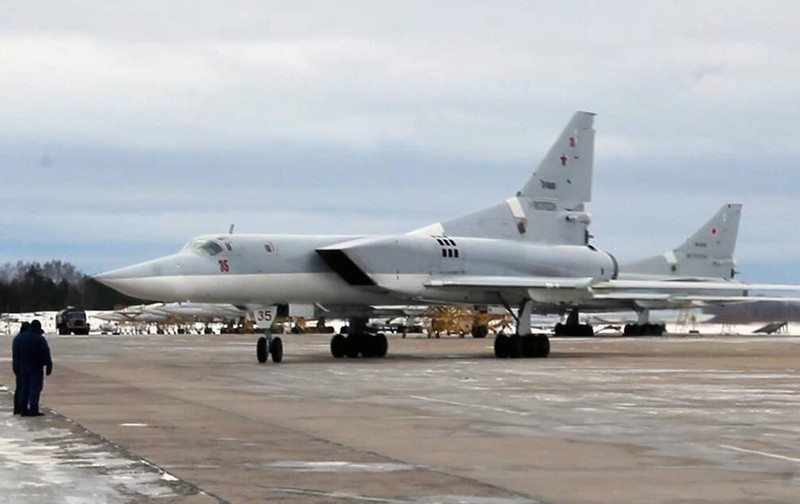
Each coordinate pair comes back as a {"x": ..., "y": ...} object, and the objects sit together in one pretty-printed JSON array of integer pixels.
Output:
[
  {"x": 17, "y": 397},
  {"x": 37, "y": 384},
  {"x": 22, "y": 397},
  {"x": 29, "y": 388}
]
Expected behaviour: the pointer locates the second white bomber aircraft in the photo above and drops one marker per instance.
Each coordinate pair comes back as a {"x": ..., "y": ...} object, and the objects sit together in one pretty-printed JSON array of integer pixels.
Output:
[{"x": 529, "y": 251}]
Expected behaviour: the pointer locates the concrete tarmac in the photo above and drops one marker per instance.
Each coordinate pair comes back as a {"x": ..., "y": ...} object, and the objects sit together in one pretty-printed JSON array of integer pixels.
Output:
[{"x": 195, "y": 419}]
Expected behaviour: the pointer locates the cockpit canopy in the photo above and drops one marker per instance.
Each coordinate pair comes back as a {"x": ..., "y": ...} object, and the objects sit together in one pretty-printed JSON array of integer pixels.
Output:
[{"x": 209, "y": 246}]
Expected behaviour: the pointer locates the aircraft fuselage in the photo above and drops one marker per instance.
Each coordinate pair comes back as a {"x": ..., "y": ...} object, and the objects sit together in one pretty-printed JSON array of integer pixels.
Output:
[{"x": 270, "y": 269}]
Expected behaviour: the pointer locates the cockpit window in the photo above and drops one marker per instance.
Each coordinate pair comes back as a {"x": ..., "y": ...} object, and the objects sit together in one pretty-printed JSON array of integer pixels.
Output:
[{"x": 207, "y": 247}]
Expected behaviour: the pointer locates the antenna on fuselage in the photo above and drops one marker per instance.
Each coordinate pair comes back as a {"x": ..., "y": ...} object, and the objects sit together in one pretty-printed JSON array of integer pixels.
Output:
[{"x": 230, "y": 229}]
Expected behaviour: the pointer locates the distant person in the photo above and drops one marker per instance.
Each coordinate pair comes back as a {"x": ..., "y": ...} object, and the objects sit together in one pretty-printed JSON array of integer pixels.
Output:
[
  {"x": 33, "y": 357},
  {"x": 23, "y": 328}
]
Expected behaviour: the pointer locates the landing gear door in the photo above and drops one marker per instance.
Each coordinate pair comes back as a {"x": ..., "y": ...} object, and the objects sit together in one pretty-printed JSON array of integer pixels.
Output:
[{"x": 264, "y": 317}]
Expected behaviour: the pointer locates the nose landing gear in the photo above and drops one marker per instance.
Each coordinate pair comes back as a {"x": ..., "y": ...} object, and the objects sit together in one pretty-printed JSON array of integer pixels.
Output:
[{"x": 266, "y": 346}]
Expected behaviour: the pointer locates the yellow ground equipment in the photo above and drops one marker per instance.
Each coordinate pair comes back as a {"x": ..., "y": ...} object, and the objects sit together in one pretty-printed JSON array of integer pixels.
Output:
[{"x": 463, "y": 320}]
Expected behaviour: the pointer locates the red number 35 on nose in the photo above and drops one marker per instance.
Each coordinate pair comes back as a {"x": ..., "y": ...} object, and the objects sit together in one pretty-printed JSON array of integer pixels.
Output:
[{"x": 223, "y": 266}]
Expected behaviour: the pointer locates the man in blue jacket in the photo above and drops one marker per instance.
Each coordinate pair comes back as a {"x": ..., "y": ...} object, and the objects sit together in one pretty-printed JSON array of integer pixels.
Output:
[
  {"x": 33, "y": 358},
  {"x": 24, "y": 327}
]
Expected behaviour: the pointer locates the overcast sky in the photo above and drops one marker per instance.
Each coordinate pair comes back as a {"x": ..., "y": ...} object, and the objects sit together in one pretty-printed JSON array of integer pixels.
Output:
[{"x": 126, "y": 128}]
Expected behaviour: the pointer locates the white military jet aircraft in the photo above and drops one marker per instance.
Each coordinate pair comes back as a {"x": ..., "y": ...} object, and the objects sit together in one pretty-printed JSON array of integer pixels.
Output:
[{"x": 530, "y": 250}]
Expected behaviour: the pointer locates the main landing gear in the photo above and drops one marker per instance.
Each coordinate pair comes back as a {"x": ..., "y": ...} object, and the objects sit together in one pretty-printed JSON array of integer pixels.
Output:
[
  {"x": 573, "y": 327},
  {"x": 267, "y": 345},
  {"x": 643, "y": 327},
  {"x": 358, "y": 341},
  {"x": 522, "y": 343}
]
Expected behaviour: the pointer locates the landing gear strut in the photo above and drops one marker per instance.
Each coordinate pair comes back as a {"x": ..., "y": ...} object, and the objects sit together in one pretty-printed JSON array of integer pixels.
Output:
[
  {"x": 267, "y": 345},
  {"x": 358, "y": 341},
  {"x": 573, "y": 327},
  {"x": 522, "y": 343}
]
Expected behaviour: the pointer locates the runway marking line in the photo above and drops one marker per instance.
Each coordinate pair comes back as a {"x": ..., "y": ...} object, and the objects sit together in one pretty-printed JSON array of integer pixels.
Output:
[{"x": 763, "y": 454}]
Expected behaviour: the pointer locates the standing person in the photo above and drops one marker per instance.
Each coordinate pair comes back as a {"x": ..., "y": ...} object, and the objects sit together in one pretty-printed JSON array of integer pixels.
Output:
[
  {"x": 23, "y": 328},
  {"x": 34, "y": 353}
]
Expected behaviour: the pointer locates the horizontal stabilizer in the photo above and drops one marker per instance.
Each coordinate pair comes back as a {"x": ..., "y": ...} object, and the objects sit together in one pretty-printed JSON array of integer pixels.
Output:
[{"x": 723, "y": 285}]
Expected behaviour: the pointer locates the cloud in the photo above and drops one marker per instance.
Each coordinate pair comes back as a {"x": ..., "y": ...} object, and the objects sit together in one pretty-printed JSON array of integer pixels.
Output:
[{"x": 377, "y": 117}]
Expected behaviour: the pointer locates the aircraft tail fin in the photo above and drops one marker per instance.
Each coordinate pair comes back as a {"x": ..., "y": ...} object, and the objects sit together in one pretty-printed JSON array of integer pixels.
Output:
[
  {"x": 708, "y": 253},
  {"x": 565, "y": 173},
  {"x": 550, "y": 206}
]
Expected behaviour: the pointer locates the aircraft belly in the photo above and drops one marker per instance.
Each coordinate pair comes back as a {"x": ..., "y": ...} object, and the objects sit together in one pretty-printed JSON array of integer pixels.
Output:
[
  {"x": 287, "y": 288},
  {"x": 250, "y": 288}
]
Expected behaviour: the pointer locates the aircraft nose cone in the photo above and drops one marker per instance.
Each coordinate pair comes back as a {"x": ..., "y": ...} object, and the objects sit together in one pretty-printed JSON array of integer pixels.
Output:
[{"x": 145, "y": 280}]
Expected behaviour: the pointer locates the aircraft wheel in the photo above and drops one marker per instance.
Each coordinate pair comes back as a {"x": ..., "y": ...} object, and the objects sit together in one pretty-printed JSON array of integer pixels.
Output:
[
  {"x": 542, "y": 346},
  {"x": 366, "y": 345},
  {"x": 351, "y": 347},
  {"x": 501, "y": 346},
  {"x": 276, "y": 350},
  {"x": 261, "y": 350},
  {"x": 338, "y": 346},
  {"x": 381, "y": 345},
  {"x": 515, "y": 346},
  {"x": 530, "y": 345}
]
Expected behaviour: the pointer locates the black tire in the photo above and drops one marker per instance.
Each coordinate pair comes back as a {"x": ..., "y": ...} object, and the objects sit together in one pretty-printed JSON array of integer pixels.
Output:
[
  {"x": 529, "y": 346},
  {"x": 366, "y": 345},
  {"x": 543, "y": 346},
  {"x": 338, "y": 346},
  {"x": 515, "y": 346},
  {"x": 501, "y": 346},
  {"x": 261, "y": 350},
  {"x": 480, "y": 331},
  {"x": 381, "y": 345},
  {"x": 351, "y": 347},
  {"x": 276, "y": 350}
]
